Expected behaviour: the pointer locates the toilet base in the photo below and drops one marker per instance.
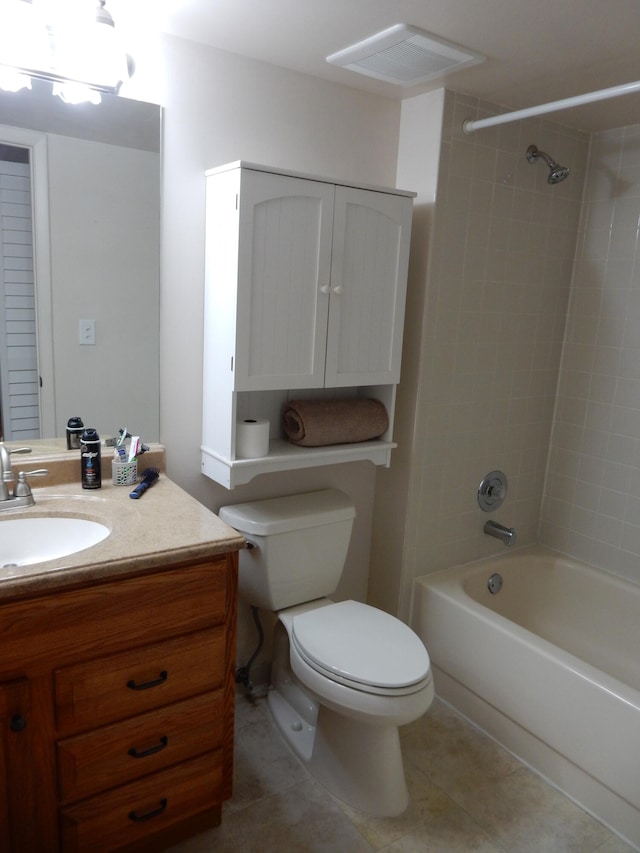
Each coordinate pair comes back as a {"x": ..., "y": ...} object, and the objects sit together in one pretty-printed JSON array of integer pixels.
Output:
[
  {"x": 359, "y": 763},
  {"x": 298, "y": 732}
]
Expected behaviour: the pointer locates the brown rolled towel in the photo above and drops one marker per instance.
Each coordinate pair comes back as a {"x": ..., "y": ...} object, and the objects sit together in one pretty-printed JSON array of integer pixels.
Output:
[{"x": 315, "y": 423}]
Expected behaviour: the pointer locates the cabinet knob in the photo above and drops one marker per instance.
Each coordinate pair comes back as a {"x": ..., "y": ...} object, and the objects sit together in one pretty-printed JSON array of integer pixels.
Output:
[
  {"x": 18, "y": 723},
  {"x": 325, "y": 289},
  {"x": 337, "y": 289}
]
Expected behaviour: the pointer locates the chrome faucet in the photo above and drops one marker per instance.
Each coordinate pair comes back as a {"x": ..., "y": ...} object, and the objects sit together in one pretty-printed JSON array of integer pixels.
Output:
[
  {"x": 6, "y": 474},
  {"x": 506, "y": 535},
  {"x": 22, "y": 495}
]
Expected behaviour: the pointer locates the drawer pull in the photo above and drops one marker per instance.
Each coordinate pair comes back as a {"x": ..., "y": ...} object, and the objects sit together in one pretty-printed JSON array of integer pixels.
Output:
[
  {"x": 138, "y": 818},
  {"x": 147, "y": 684},
  {"x": 133, "y": 752}
]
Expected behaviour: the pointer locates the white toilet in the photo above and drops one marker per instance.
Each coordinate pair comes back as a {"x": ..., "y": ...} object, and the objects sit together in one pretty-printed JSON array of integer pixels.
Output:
[{"x": 344, "y": 675}]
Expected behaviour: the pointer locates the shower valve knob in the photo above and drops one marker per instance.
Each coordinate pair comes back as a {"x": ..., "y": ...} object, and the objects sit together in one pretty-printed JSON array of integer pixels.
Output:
[
  {"x": 497, "y": 491},
  {"x": 492, "y": 491}
]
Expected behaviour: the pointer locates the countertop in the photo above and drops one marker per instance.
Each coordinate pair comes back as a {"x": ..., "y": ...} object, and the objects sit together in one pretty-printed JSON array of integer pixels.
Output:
[{"x": 164, "y": 527}]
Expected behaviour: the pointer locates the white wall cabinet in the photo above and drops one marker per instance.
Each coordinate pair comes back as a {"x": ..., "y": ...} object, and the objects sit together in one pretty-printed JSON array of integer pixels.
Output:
[{"x": 305, "y": 291}]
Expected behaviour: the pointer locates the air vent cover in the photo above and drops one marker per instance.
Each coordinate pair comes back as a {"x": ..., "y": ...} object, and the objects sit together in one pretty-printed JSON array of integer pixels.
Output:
[{"x": 405, "y": 56}]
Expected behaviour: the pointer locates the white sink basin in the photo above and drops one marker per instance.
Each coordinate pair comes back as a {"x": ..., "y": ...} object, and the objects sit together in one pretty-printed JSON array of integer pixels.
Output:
[{"x": 25, "y": 541}]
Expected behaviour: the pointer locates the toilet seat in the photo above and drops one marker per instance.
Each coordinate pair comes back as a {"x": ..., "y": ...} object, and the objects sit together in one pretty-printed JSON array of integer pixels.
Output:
[{"x": 362, "y": 647}]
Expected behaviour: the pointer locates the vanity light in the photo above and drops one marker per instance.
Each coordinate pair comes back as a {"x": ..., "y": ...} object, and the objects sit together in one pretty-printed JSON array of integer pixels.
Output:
[
  {"x": 12, "y": 80},
  {"x": 71, "y": 43}
]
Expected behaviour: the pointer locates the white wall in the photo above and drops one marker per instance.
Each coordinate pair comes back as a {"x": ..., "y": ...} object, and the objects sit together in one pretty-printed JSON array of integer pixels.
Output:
[
  {"x": 418, "y": 161},
  {"x": 220, "y": 108}
]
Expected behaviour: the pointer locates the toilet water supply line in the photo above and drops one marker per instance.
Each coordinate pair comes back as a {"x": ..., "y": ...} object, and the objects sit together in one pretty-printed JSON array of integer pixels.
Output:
[
  {"x": 243, "y": 672},
  {"x": 470, "y": 126}
]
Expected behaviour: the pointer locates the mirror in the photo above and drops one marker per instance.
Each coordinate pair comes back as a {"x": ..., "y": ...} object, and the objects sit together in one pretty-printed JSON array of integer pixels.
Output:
[{"x": 95, "y": 187}]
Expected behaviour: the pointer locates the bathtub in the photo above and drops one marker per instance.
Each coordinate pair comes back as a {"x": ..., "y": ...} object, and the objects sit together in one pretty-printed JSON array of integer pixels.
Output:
[{"x": 549, "y": 666}]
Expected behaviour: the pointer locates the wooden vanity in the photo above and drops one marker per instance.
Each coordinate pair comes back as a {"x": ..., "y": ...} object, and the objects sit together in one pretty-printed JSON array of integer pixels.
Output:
[{"x": 117, "y": 678}]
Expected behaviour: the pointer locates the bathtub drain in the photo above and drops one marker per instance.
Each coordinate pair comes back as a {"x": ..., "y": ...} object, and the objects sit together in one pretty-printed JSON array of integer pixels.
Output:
[{"x": 494, "y": 584}]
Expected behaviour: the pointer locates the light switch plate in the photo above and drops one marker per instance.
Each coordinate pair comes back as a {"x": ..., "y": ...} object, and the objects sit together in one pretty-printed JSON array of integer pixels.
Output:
[{"x": 87, "y": 332}]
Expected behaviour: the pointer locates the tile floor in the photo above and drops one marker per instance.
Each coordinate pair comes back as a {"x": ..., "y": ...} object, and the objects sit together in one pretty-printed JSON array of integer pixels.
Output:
[{"x": 467, "y": 794}]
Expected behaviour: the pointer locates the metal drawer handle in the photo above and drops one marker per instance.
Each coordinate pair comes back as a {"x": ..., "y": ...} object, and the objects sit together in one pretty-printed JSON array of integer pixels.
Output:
[
  {"x": 137, "y": 818},
  {"x": 147, "y": 684},
  {"x": 133, "y": 752}
]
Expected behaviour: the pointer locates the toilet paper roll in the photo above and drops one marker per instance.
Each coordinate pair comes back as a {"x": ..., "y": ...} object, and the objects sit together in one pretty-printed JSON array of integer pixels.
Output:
[{"x": 252, "y": 438}]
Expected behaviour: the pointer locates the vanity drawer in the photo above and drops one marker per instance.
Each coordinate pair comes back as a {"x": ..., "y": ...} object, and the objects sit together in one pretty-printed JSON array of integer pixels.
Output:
[
  {"x": 111, "y": 688},
  {"x": 102, "y": 619},
  {"x": 130, "y": 814},
  {"x": 112, "y": 755}
]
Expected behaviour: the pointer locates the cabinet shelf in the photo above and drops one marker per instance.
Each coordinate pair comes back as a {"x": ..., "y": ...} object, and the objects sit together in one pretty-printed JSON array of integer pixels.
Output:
[{"x": 284, "y": 456}]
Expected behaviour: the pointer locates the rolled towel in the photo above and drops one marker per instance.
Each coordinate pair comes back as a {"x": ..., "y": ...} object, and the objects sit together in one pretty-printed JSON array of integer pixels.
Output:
[{"x": 316, "y": 423}]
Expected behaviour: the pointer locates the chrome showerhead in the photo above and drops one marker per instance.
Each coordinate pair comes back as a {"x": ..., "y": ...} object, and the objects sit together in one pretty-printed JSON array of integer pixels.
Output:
[{"x": 557, "y": 173}]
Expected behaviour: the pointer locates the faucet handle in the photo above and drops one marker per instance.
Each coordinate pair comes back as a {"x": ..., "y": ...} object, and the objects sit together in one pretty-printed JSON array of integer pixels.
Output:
[
  {"x": 22, "y": 488},
  {"x": 19, "y": 449}
]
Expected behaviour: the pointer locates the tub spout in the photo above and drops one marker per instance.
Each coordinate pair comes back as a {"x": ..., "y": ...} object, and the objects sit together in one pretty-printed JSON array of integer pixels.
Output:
[{"x": 507, "y": 535}]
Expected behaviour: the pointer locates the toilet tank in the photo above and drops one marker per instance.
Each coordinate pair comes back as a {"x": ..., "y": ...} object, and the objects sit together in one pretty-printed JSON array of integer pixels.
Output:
[{"x": 300, "y": 544}]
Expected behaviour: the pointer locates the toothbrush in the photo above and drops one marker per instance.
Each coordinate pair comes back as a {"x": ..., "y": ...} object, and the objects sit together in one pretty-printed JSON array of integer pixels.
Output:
[
  {"x": 149, "y": 477},
  {"x": 134, "y": 447}
]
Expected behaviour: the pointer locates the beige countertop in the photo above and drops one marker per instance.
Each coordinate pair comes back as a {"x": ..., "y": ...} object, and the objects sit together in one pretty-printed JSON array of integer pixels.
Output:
[{"x": 164, "y": 527}]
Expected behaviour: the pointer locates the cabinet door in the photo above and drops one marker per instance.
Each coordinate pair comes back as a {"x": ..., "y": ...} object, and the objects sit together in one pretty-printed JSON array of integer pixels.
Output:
[
  {"x": 284, "y": 269},
  {"x": 18, "y": 824},
  {"x": 371, "y": 237}
]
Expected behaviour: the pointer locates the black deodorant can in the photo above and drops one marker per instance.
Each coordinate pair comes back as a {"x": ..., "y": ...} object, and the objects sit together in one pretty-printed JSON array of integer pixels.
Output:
[
  {"x": 74, "y": 433},
  {"x": 90, "y": 459}
]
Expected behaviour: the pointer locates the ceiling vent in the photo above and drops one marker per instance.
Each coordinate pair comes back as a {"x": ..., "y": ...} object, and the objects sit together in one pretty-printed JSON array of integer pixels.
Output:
[{"x": 405, "y": 56}]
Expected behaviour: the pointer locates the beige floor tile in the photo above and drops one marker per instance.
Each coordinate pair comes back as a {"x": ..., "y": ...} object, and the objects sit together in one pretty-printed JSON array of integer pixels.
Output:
[
  {"x": 304, "y": 819},
  {"x": 263, "y": 765},
  {"x": 529, "y": 816},
  {"x": 615, "y": 845},
  {"x": 467, "y": 795},
  {"x": 451, "y": 832},
  {"x": 456, "y": 756}
]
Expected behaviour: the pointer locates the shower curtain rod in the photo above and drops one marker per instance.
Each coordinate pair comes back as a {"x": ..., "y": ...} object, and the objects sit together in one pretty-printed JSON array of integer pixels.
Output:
[{"x": 470, "y": 126}]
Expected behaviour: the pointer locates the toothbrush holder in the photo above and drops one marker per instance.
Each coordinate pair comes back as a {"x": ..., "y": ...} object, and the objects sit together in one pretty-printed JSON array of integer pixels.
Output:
[{"x": 124, "y": 473}]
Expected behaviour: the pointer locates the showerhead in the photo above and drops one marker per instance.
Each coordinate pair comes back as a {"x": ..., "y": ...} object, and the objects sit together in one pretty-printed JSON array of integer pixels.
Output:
[{"x": 557, "y": 173}]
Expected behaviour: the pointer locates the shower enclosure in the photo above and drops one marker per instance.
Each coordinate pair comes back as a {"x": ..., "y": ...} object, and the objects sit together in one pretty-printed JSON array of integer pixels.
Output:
[{"x": 513, "y": 373}]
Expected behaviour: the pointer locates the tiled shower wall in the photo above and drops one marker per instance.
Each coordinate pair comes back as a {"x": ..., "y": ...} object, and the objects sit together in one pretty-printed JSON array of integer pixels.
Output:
[
  {"x": 500, "y": 263},
  {"x": 592, "y": 498}
]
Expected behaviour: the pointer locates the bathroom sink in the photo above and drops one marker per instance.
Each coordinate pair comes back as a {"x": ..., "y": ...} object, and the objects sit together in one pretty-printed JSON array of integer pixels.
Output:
[{"x": 25, "y": 541}]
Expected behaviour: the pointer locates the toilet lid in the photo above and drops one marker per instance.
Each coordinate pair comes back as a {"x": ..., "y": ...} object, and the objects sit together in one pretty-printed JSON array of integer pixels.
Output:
[{"x": 358, "y": 643}]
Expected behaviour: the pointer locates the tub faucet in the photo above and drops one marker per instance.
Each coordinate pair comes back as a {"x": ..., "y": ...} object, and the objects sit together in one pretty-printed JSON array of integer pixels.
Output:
[{"x": 506, "y": 535}]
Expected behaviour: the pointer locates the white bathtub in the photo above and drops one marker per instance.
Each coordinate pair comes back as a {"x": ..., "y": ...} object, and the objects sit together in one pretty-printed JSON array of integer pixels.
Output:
[{"x": 549, "y": 666}]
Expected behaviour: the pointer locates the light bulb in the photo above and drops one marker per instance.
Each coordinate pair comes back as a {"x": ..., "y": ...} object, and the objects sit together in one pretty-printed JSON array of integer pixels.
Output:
[
  {"x": 76, "y": 93},
  {"x": 12, "y": 80}
]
